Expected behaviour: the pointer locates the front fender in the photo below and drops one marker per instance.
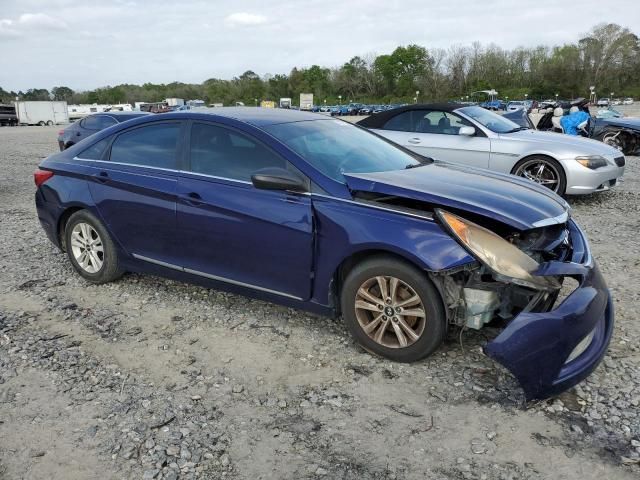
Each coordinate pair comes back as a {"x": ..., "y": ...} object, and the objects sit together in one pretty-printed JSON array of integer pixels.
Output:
[{"x": 345, "y": 228}]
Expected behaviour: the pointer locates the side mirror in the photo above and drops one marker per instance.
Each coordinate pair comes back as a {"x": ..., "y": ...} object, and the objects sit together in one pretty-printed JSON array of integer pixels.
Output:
[
  {"x": 467, "y": 131},
  {"x": 275, "y": 178}
]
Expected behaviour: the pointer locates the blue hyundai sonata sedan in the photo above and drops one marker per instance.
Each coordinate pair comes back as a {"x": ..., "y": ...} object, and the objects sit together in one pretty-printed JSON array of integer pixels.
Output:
[{"x": 318, "y": 214}]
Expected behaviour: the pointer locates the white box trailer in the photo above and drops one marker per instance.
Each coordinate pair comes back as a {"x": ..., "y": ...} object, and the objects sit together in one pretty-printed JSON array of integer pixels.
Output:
[
  {"x": 306, "y": 101},
  {"x": 79, "y": 111},
  {"x": 41, "y": 112},
  {"x": 174, "y": 102}
]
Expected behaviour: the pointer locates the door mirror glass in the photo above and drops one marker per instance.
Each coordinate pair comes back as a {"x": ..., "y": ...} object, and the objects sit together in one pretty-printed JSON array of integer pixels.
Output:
[
  {"x": 275, "y": 178},
  {"x": 467, "y": 131}
]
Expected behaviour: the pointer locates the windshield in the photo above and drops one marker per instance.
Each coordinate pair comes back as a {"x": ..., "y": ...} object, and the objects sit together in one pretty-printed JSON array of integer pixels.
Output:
[
  {"x": 335, "y": 147},
  {"x": 492, "y": 121}
]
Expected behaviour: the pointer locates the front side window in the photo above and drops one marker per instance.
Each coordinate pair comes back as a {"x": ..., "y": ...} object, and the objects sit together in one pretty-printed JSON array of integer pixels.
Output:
[
  {"x": 334, "y": 148},
  {"x": 427, "y": 121},
  {"x": 221, "y": 152},
  {"x": 148, "y": 146},
  {"x": 490, "y": 120}
]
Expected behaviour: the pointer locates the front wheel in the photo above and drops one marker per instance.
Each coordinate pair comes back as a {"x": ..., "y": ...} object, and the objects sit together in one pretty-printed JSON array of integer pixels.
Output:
[
  {"x": 90, "y": 248},
  {"x": 543, "y": 170},
  {"x": 392, "y": 309}
]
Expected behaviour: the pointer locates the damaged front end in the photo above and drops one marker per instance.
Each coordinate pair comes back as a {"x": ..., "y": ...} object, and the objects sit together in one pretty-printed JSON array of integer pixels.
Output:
[{"x": 548, "y": 345}]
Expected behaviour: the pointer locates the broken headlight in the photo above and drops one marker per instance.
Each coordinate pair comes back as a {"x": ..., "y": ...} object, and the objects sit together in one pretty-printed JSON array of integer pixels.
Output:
[{"x": 501, "y": 257}]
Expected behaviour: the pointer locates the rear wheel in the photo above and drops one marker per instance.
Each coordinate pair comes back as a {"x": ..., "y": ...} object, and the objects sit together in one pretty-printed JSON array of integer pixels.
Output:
[
  {"x": 543, "y": 170},
  {"x": 392, "y": 309},
  {"x": 41, "y": 123},
  {"x": 90, "y": 248},
  {"x": 49, "y": 123}
]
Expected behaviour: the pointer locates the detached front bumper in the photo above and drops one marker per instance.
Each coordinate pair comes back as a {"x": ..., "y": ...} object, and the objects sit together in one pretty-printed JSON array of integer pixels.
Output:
[{"x": 535, "y": 347}]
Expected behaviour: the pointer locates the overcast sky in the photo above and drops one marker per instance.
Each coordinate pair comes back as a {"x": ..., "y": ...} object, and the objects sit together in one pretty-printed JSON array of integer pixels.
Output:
[{"x": 85, "y": 44}]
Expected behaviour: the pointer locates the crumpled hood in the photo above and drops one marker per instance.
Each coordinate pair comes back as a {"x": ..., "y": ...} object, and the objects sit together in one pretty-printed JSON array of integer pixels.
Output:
[
  {"x": 629, "y": 122},
  {"x": 511, "y": 200},
  {"x": 577, "y": 144}
]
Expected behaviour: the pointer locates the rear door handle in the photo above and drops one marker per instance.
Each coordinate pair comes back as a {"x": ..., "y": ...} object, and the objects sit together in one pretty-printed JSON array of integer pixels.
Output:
[
  {"x": 414, "y": 140},
  {"x": 102, "y": 177}
]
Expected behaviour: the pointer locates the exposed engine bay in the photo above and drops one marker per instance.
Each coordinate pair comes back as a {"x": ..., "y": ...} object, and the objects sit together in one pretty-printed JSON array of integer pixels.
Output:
[{"x": 474, "y": 294}]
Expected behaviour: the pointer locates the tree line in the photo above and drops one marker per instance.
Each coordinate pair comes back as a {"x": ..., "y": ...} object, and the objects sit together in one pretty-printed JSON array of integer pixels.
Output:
[{"x": 607, "y": 57}]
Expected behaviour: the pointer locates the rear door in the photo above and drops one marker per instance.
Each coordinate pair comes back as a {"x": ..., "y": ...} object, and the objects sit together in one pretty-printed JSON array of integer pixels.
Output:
[
  {"x": 232, "y": 232},
  {"x": 133, "y": 185},
  {"x": 434, "y": 133}
]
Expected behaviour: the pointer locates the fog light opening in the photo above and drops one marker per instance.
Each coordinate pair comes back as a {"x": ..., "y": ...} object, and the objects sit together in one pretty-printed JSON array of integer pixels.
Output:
[{"x": 581, "y": 347}]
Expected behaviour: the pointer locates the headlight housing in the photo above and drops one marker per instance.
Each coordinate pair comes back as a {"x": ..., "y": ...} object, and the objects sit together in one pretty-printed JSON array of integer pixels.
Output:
[
  {"x": 501, "y": 257},
  {"x": 592, "y": 161}
]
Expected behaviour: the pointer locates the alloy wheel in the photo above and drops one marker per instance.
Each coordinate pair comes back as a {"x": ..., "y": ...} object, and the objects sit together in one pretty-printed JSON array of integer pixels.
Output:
[
  {"x": 542, "y": 172},
  {"x": 390, "y": 312},
  {"x": 87, "y": 247}
]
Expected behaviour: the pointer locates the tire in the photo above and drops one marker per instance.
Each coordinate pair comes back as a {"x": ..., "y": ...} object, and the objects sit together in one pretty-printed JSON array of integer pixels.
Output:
[
  {"x": 552, "y": 169},
  {"x": 49, "y": 123},
  {"x": 103, "y": 266},
  {"x": 41, "y": 123},
  {"x": 411, "y": 282}
]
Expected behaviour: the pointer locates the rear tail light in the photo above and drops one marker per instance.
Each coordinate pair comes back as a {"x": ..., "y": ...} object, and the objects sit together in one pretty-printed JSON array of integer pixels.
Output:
[{"x": 41, "y": 176}]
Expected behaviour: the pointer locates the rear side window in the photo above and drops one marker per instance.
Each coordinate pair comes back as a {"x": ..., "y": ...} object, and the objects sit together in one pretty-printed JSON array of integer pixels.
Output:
[
  {"x": 95, "y": 151},
  {"x": 149, "y": 146},
  {"x": 225, "y": 153},
  {"x": 98, "y": 122}
]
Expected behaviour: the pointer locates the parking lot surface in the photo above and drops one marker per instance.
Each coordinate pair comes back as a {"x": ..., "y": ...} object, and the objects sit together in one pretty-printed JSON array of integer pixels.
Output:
[{"x": 149, "y": 378}]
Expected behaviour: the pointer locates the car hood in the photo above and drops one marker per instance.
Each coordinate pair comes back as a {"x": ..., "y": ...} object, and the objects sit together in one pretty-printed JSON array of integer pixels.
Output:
[
  {"x": 632, "y": 122},
  {"x": 511, "y": 200},
  {"x": 580, "y": 145}
]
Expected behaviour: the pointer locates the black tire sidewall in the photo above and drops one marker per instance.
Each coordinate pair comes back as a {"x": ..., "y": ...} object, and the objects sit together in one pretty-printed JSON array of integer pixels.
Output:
[
  {"x": 110, "y": 266},
  {"x": 563, "y": 176},
  {"x": 435, "y": 327}
]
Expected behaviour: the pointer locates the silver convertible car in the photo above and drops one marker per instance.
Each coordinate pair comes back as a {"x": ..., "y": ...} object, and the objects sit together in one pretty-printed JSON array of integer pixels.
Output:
[{"x": 476, "y": 137}]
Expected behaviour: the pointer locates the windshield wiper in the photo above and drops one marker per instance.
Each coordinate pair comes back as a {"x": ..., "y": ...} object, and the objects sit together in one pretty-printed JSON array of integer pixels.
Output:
[
  {"x": 519, "y": 129},
  {"x": 415, "y": 165}
]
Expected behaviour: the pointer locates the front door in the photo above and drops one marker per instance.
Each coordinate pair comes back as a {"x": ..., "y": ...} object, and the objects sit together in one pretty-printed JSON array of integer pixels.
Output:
[
  {"x": 434, "y": 133},
  {"x": 232, "y": 232}
]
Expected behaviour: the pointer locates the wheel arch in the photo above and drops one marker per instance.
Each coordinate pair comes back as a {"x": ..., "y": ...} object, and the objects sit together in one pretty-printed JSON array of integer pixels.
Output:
[
  {"x": 538, "y": 154},
  {"x": 350, "y": 261},
  {"x": 62, "y": 223}
]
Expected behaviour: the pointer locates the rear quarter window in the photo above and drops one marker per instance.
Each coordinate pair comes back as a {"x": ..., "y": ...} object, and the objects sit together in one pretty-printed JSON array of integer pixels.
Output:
[{"x": 95, "y": 151}]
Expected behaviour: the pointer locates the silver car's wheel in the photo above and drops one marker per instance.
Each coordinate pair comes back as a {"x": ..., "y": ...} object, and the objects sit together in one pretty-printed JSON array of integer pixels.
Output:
[
  {"x": 390, "y": 312},
  {"x": 87, "y": 247},
  {"x": 544, "y": 171}
]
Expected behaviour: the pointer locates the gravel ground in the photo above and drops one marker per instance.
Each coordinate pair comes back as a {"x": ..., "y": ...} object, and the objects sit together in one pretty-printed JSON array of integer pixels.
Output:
[{"x": 149, "y": 378}]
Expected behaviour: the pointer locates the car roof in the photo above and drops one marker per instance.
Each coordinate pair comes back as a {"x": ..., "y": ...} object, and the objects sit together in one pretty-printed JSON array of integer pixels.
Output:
[
  {"x": 379, "y": 119},
  {"x": 256, "y": 116},
  {"x": 118, "y": 113}
]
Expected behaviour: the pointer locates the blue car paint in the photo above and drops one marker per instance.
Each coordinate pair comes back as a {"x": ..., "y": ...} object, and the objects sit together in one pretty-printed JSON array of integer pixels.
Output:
[
  {"x": 535, "y": 346},
  {"x": 519, "y": 204},
  {"x": 326, "y": 229}
]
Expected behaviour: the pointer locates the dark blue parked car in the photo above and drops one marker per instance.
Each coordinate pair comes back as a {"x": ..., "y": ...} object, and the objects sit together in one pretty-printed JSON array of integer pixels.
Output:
[
  {"x": 318, "y": 214},
  {"x": 91, "y": 124}
]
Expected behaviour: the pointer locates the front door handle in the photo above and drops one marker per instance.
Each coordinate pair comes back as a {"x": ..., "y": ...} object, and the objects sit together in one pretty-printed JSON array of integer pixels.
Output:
[
  {"x": 414, "y": 140},
  {"x": 193, "y": 198},
  {"x": 102, "y": 177}
]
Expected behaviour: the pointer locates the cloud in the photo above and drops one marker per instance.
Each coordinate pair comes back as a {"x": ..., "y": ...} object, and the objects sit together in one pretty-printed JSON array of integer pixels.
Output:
[
  {"x": 7, "y": 29},
  {"x": 41, "y": 20},
  {"x": 244, "y": 19}
]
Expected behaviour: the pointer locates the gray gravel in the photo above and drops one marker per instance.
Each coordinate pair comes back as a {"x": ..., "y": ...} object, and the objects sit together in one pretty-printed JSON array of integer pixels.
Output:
[{"x": 154, "y": 379}]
